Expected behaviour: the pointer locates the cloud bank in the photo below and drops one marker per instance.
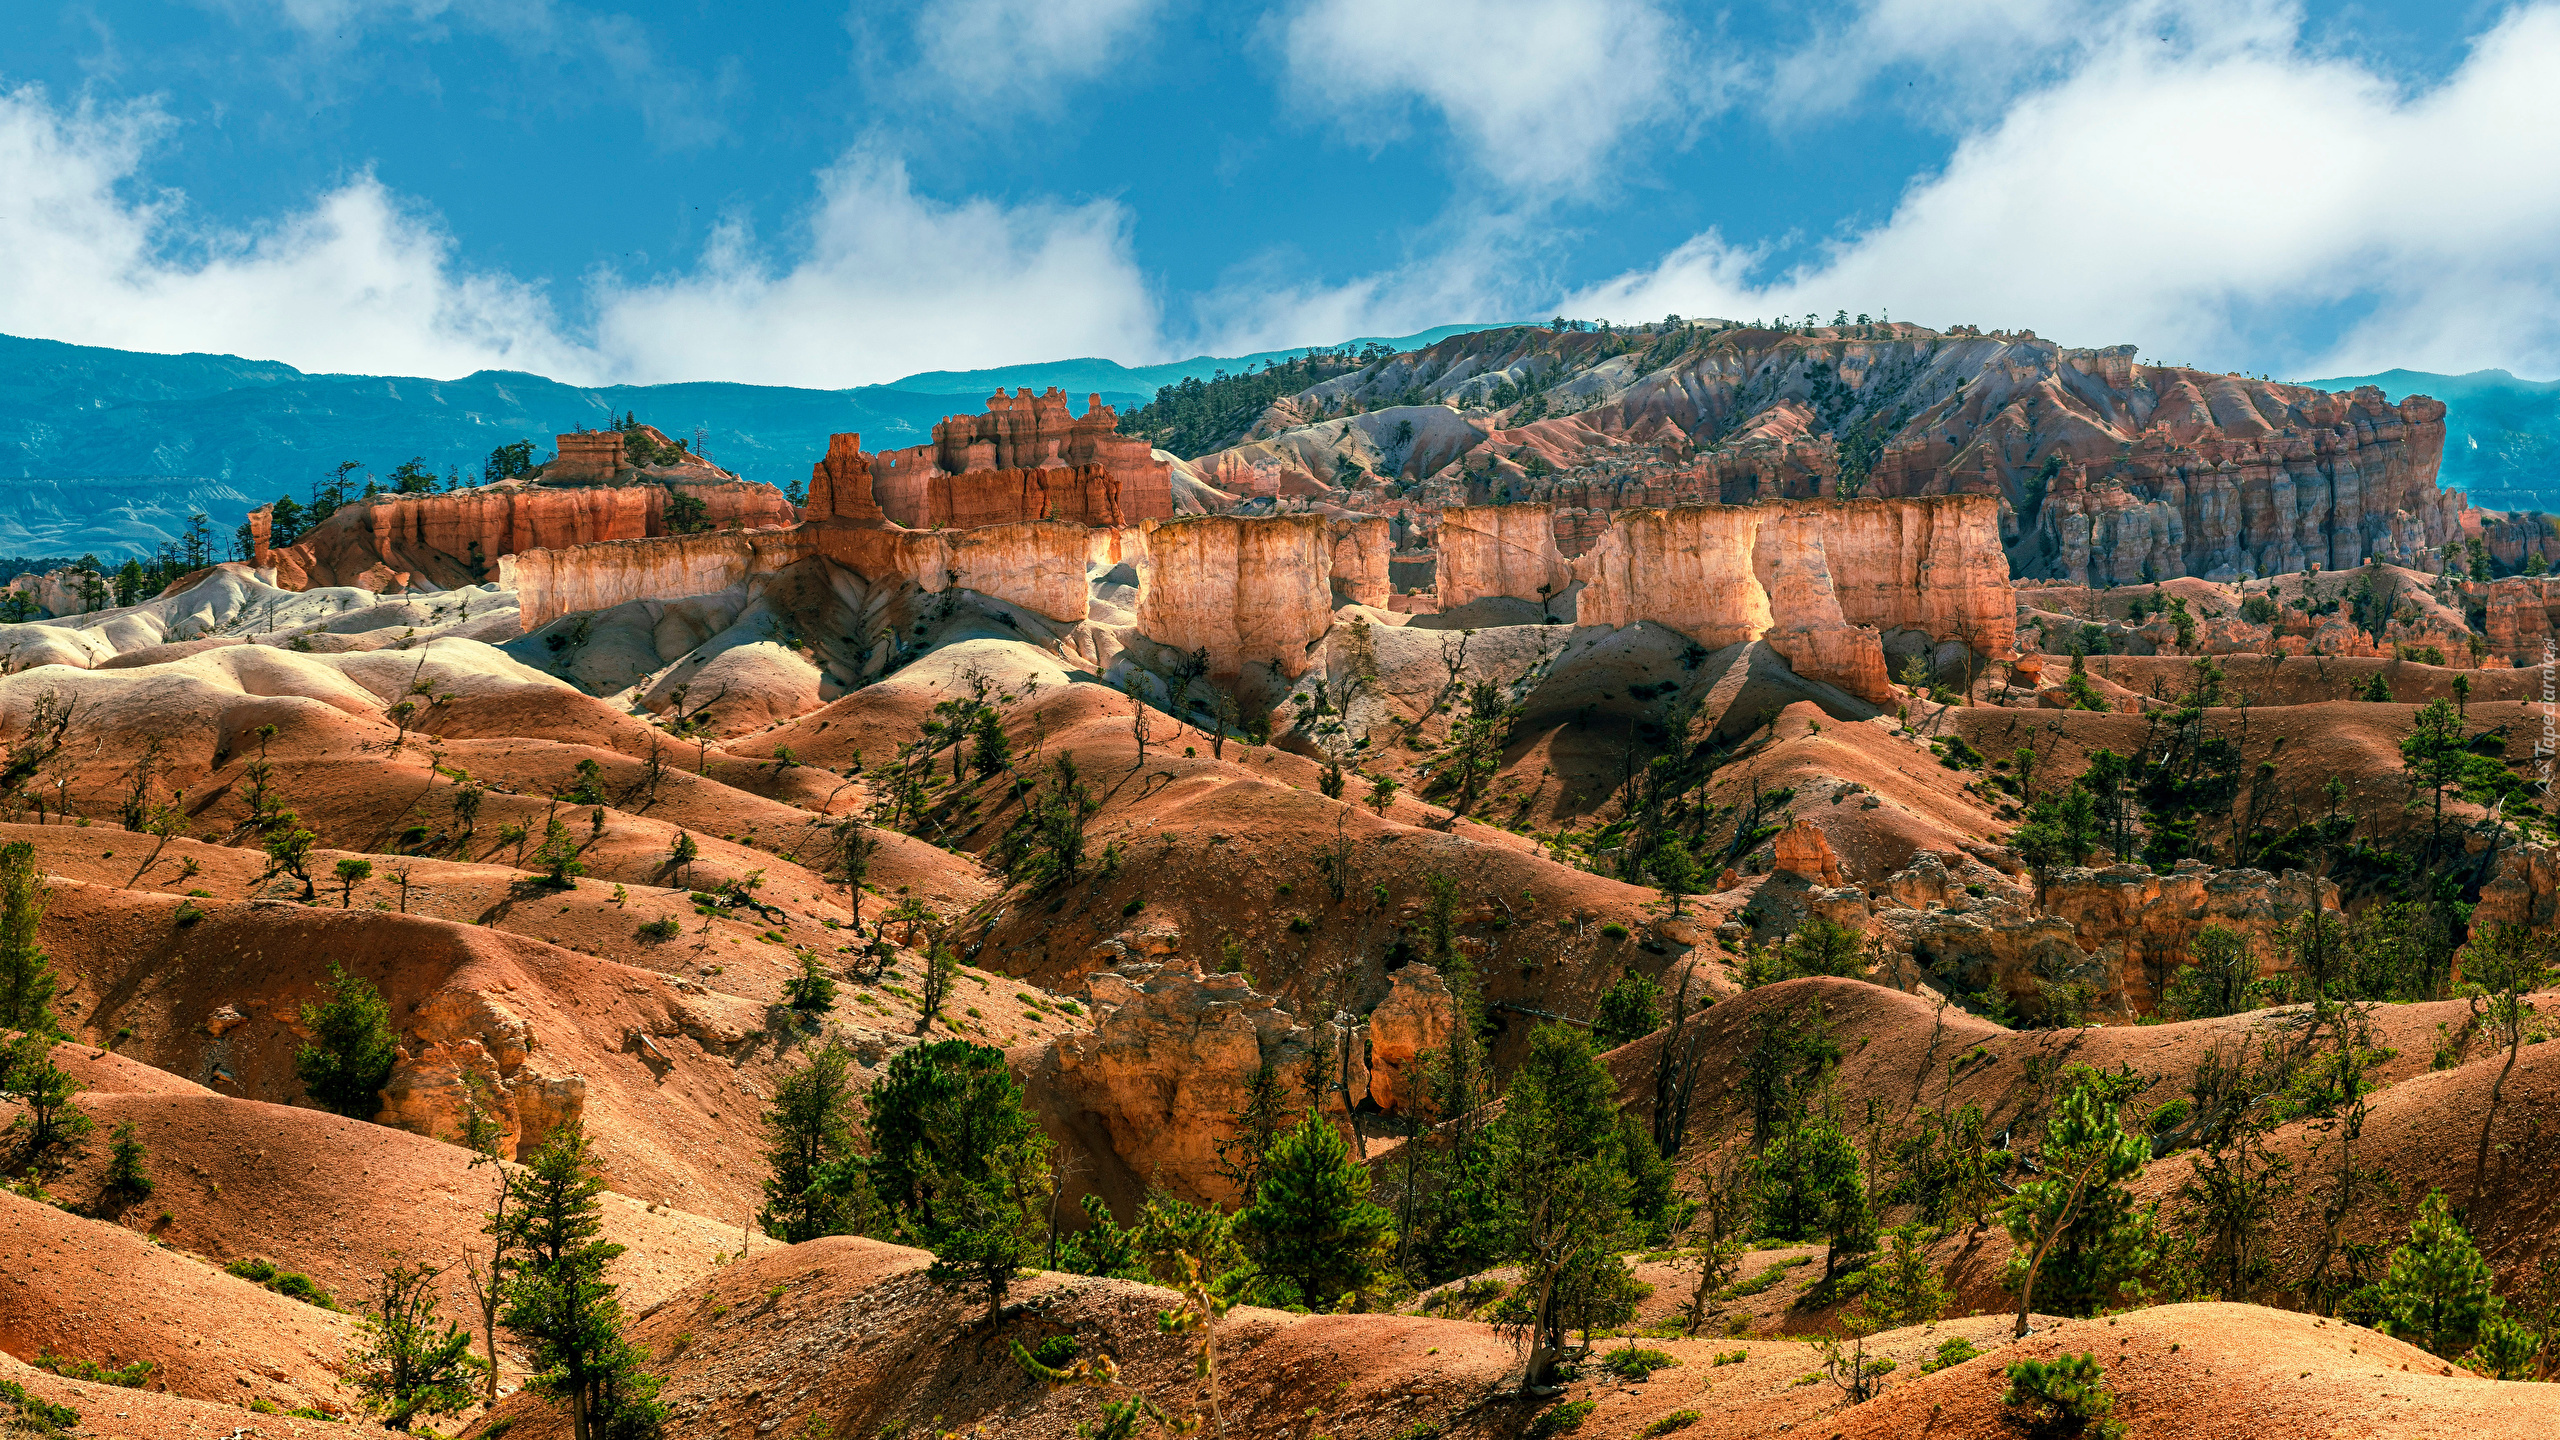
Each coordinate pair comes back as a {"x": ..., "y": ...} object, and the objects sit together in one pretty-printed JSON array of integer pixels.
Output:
[{"x": 2198, "y": 179}]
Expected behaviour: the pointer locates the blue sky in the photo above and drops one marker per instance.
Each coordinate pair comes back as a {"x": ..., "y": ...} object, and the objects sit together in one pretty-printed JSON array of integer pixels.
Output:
[{"x": 820, "y": 195}]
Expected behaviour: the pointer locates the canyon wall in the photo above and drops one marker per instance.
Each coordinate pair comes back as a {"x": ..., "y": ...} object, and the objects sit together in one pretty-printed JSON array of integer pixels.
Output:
[
  {"x": 1508, "y": 550},
  {"x": 1927, "y": 563},
  {"x": 550, "y": 583},
  {"x": 387, "y": 542},
  {"x": 2102, "y": 466},
  {"x": 1360, "y": 551},
  {"x": 1248, "y": 591},
  {"x": 1038, "y": 566},
  {"x": 1819, "y": 580}
]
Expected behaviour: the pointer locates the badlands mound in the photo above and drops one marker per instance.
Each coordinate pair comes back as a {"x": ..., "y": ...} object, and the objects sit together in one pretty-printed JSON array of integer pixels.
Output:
[{"x": 1542, "y": 919}]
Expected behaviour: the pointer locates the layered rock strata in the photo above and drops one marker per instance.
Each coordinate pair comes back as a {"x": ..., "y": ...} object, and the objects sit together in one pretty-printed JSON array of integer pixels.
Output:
[
  {"x": 388, "y": 542},
  {"x": 1026, "y": 458},
  {"x": 1246, "y": 591}
]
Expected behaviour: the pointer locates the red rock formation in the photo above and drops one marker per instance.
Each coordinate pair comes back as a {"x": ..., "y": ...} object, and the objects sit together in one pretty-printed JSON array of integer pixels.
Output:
[
  {"x": 1026, "y": 458},
  {"x": 1360, "y": 551},
  {"x": 588, "y": 457},
  {"x": 840, "y": 484},
  {"x": 390, "y": 541}
]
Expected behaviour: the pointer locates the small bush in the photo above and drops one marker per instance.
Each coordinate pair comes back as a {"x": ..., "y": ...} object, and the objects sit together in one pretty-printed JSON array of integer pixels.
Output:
[
  {"x": 1732, "y": 1357},
  {"x": 1057, "y": 1352},
  {"x": 131, "y": 1377},
  {"x": 1614, "y": 930},
  {"x": 1300, "y": 924},
  {"x": 1631, "y": 1363},
  {"x": 1676, "y": 1420},
  {"x": 1136, "y": 904},
  {"x": 1561, "y": 1418},
  {"x": 292, "y": 1284},
  {"x": 663, "y": 928},
  {"x": 2064, "y": 1397},
  {"x": 1950, "y": 1353},
  {"x": 41, "y": 1416}
]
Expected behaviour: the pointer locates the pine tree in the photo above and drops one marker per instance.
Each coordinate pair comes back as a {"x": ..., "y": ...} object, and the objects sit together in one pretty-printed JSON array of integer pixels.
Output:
[
  {"x": 125, "y": 1175},
  {"x": 956, "y": 1161},
  {"x": 1311, "y": 1221},
  {"x": 349, "y": 1057},
  {"x": 558, "y": 1301},
  {"x": 27, "y": 981},
  {"x": 50, "y": 1119},
  {"x": 2437, "y": 1292},
  {"x": 813, "y": 991},
  {"x": 808, "y": 1130},
  {"x": 2077, "y": 1215},
  {"x": 1629, "y": 1010},
  {"x": 404, "y": 1367},
  {"x": 1556, "y": 1182}
]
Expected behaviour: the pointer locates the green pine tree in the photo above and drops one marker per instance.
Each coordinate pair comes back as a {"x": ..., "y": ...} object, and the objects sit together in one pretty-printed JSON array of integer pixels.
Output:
[
  {"x": 352, "y": 1047},
  {"x": 2437, "y": 1292},
  {"x": 1629, "y": 1010},
  {"x": 27, "y": 981},
  {"x": 560, "y": 1305},
  {"x": 809, "y": 1129},
  {"x": 2075, "y": 1226},
  {"x": 403, "y": 1365},
  {"x": 955, "y": 1161},
  {"x": 1311, "y": 1221}
]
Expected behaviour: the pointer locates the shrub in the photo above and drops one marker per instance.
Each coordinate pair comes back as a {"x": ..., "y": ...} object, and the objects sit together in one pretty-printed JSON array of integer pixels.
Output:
[
  {"x": 41, "y": 1416},
  {"x": 292, "y": 1284},
  {"x": 1676, "y": 1420},
  {"x": 1614, "y": 930},
  {"x": 131, "y": 1377},
  {"x": 2066, "y": 1396},
  {"x": 1136, "y": 904},
  {"x": 1631, "y": 1363},
  {"x": 1056, "y": 1352},
  {"x": 1561, "y": 1418},
  {"x": 1950, "y": 1353},
  {"x": 1732, "y": 1357},
  {"x": 663, "y": 928}
]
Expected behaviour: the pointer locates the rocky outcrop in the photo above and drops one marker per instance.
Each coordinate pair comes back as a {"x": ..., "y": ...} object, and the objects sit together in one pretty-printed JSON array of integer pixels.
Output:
[
  {"x": 2229, "y": 475},
  {"x": 1819, "y": 581},
  {"x": 1246, "y": 591},
  {"x": 1418, "y": 1017},
  {"x": 457, "y": 1034},
  {"x": 840, "y": 484},
  {"x": 2525, "y": 890},
  {"x": 551, "y": 583},
  {"x": 389, "y": 542},
  {"x": 2122, "y": 931},
  {"x": 1508, "y": 550},
  {"x": 1169, "y": 1060},
  {"x": 1361, "y": 547},
  {"x": 2520, "y": 617},
  {"x": 1803, "y": 850},
  {"x": 1026, "y": 458},
  {"x": 1038, "y": 567}
]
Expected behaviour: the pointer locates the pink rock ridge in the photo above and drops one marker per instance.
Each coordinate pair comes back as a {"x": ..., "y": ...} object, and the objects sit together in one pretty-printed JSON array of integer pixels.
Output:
[{"x": 1819, "y": 580}]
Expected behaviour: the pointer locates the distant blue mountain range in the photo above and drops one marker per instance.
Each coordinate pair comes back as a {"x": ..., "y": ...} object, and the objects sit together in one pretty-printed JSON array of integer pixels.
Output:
[
  {"x": 2502, "y": 434},
  {"x": 108, "y": 451},
  {"x": 1081, "y": 377}
]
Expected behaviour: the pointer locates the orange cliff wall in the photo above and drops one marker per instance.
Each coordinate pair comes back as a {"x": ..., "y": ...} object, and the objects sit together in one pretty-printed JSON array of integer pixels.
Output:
[
  {"x": 1247, "y": 591},
  {"x": 1039, "y": 567},
  {"x": 390, "y": 541}
]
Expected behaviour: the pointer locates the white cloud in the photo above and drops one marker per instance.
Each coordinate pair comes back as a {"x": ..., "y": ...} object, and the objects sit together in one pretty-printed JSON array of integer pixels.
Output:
[
  {"x": 1021, "y": 54},
  {"x": 1538, "y": 93},
  {"x": 353, "y": 283},
  {"x": 890, "y": 282},
  {"x": 2210, "y": 204},
  {"x": 883, "y": 281}
]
